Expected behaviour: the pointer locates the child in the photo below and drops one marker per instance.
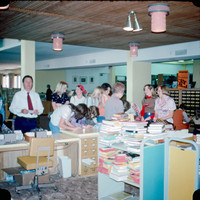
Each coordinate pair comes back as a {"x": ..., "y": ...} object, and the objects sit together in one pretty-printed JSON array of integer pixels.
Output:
[
  {"x": 91, "y": 118},
  {"x": 114, "y": 104},
  {"x": 179, "y": 117},
  {"x": 79, "y": 122},
  {"x": 148, "y": 103},
  {"x": 132, "y": 109},
  {"x": 61, "y": 116}
]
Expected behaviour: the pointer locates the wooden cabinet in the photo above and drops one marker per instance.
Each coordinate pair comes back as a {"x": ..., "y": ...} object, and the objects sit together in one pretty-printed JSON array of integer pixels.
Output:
[
  {"x": 190, "y": 97},
  {"x": 89, "y": 150}
]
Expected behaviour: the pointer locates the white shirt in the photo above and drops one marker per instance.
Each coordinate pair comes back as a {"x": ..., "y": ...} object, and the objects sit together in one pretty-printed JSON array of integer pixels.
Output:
[
  {"x": 75, "y": 100},
  {"x": 62, "y": 111},
  {"x": 20, "y": 102}
]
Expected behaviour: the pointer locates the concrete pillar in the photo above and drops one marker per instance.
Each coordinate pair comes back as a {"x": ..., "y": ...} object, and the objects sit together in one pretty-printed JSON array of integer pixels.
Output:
[
  {"x": 11, "y": 80},
  {"x": 196, "y": 73},
  {"x": 28, "y": 59},
  {"x": 138, "y": 75}
]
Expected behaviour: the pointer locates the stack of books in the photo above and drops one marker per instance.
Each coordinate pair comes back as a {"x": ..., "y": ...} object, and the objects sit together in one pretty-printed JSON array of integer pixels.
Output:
[
  {"x": 106, "y": 159},
  {"x": 134, "y": 127},
  {"x": 119, "y": 170},
  {"x": 109, "y": 132},
  {"x": 156, "y": 127},
  {"x": 134, "y": 170},
  {"x": 121, "y": 117}
]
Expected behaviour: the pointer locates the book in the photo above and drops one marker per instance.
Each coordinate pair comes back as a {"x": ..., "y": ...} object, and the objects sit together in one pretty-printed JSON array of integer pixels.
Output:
[{"x": 121, "y": 196}]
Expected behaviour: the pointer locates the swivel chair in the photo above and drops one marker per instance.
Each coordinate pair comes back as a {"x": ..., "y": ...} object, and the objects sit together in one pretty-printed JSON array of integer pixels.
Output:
[{"x": 39, "y": 153}]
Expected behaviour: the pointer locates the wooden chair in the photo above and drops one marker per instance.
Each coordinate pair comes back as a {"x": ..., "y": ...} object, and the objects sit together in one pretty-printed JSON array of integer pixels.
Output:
[{"x": 39, "y": 159}]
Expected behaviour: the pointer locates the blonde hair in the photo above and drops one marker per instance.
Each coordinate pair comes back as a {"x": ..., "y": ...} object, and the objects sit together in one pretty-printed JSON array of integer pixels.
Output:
[
  {"x": 97, "y": 91},
  {"x": 61, "y": 87},
  {"x": 165, "y": 89}
]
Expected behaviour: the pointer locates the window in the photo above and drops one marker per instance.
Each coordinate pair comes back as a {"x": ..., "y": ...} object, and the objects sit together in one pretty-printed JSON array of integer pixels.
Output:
[
  {"x": 5, "y": 81},
  {"x": 17, "y": 81}
]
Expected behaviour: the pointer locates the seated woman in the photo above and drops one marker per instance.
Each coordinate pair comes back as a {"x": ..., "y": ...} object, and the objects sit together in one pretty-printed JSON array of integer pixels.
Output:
[
  {"x": 164, "y": 106},
  {"x": 180, "y": 118},
  {"x": 61, "y": 116},
  {"x": 59, "y": 97}
]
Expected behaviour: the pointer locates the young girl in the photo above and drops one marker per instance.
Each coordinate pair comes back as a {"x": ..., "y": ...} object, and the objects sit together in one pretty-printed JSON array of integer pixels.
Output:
[
  {"x": 59, "y": 97},
  {"x": 132, "y": 108},
  {"x": 77, "y": 122},
  {"x": 79, "y": 97},
  {"x": 148, "y": 103},
  {"x": 61, "y": 116},
  {"x": 164, "y": 106},
  {"x": 89, "y": 119},
  {"x": 180, "y": 118},
  {"x": 96, "y": 97}
]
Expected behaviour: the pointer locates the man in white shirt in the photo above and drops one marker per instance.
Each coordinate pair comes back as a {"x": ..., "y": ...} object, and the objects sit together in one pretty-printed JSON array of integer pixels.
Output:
[{"x": 26, "y": 105}]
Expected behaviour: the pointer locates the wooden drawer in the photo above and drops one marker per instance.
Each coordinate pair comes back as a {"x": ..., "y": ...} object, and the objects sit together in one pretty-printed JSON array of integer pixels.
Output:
[
  {"x": 88, "y": 152},
  {"x": 89, "y": 146},
  {"x": 87, "y": 171},
  {"x": 90, "y": 140}
]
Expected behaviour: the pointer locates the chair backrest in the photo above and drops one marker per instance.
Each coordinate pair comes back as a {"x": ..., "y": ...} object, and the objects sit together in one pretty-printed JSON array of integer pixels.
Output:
[{"x": 41, "y": 142}]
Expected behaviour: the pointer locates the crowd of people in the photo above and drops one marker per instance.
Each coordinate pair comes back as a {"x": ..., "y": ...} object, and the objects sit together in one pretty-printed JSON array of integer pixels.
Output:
[{"x": 78, "y": 110}]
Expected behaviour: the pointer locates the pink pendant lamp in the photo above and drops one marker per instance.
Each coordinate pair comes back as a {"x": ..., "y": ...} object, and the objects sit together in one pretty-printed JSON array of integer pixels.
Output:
[
  {"x": 134, "y": 48},
  {"x": 158, "y": 13},
  {"x": 57, "y": 41},
  {"x": 4, "y": 4}
]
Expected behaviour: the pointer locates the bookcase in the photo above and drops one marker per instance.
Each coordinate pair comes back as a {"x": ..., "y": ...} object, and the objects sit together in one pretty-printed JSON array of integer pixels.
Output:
[
  {"x": 167, "y": 171},
  {"x": 181, "y": 169},
  {"x": 151, "y": 172},
  {"x": 191, "y": 97}
]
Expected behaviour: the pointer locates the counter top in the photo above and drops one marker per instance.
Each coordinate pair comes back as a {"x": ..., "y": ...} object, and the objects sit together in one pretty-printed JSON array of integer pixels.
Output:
[
  {"x": 22, "y": 145},
  {"x": 89, "y": 132}
]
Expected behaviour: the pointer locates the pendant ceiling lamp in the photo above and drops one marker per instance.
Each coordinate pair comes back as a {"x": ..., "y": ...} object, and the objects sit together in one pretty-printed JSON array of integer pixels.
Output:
[
  {"x": 4, "y": 5},
  {"x": 130, "y": 26},
  {"x": 134, "y": 48},
  {"x": 57, "y": 41},
  {"x": 158, "y": 13}
]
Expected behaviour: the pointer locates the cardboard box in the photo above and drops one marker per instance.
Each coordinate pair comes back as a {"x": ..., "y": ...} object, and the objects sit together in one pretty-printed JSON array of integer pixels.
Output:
[
  {"x": 26, "y": 178},
  {"x": 29, "y": 135}
]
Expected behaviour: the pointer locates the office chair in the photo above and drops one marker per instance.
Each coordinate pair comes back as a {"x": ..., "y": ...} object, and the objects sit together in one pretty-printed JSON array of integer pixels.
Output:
[{"x": 39, "y": 153}]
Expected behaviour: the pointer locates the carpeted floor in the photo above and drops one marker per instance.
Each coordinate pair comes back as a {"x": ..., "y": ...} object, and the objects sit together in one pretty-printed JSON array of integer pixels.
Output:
[{"x": 73, "y": 188}]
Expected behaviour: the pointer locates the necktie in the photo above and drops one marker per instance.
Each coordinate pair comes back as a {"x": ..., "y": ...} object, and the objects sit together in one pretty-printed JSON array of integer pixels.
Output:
[{"x": 30, "y": 105}]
